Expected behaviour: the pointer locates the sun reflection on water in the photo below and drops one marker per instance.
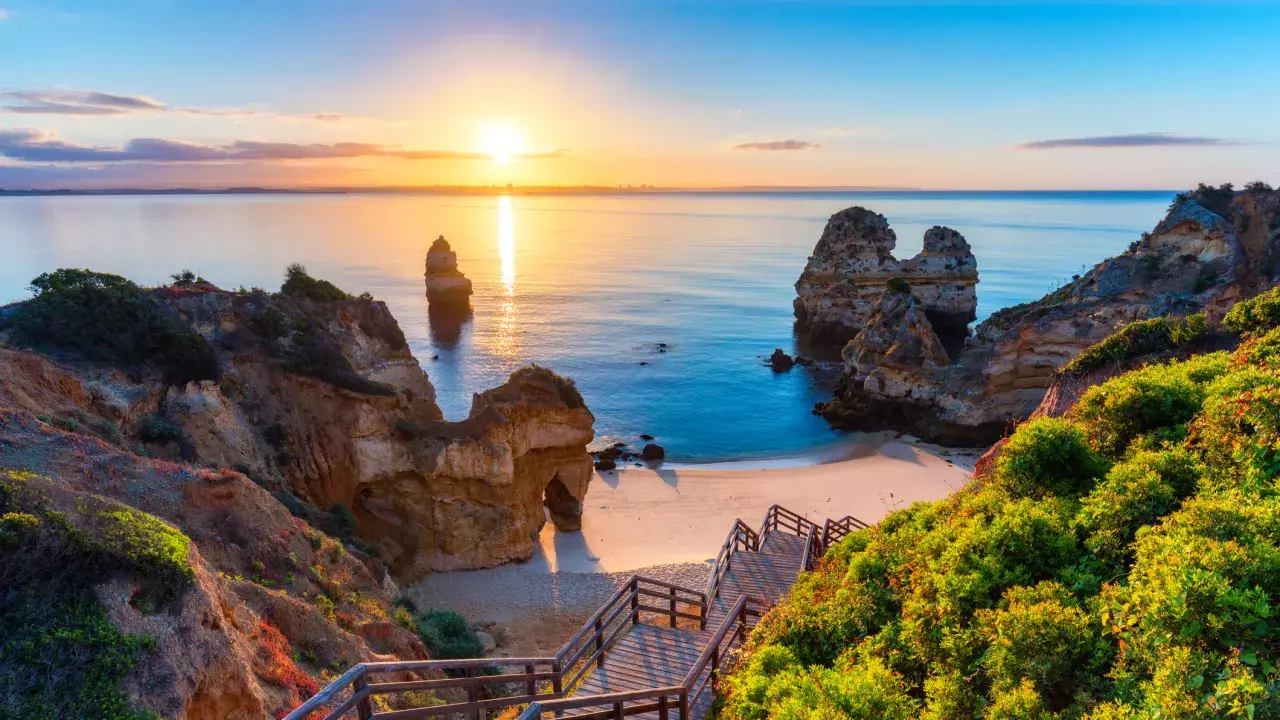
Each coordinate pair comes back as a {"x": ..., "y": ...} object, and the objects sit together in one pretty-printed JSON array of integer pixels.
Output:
[
  {"x": 507, "y": 244},
  {"x": 506, "y": 342}
]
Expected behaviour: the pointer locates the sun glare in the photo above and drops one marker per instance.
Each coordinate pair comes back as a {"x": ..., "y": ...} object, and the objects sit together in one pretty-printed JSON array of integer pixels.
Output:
[{"x": 503, "y": 142}]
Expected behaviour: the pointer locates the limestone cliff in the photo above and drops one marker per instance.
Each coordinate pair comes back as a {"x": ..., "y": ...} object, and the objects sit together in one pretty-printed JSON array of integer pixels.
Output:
[
  {"x": 1195, "y": 260},
  {"x": 322, "y": 402},
  {"x": 852, "y": 263}
]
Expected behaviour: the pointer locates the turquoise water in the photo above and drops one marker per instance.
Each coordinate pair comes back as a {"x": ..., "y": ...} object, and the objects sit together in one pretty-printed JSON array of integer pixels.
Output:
[{"x": 587, "y": 285}]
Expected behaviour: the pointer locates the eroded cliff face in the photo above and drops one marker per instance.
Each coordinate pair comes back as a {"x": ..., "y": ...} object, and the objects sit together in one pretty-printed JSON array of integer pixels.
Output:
[
  {"x": 324, "y": 401},
  {"x": 266, "y": 585},
  {"x": 1195, "y": 260},
  {"x": 853, "y": 262}
]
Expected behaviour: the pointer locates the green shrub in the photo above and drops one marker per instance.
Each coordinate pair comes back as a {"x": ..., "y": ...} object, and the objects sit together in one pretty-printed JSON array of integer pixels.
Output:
[
  {"x": 1120, "y": 410},
  {"x": 773, "y": 687},
  {"x": 1135, "y": 494},
  {"x": 1139, "y": 338},
  {"x": 446, "y": 635},
  {"x": 106, "y": 318},
  {"x": 298, "y": 283},
  {"x": 1256, "y": 315},
  {"x": 1048, "y": 456},
  {"x": 567, "y": 389},
  {"x": 898, "y": 285},
  {"x": 159, "y": 429}
]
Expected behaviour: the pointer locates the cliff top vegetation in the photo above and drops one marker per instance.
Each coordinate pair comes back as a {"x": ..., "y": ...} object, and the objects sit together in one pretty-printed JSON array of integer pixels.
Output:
[{"x": 1120, "y": 562}]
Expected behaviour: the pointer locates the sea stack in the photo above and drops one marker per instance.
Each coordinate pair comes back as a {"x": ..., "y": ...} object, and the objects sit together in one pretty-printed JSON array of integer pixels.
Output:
[
  {"x": 447, "y": 288},
  {"x": 853, "y": 263}
]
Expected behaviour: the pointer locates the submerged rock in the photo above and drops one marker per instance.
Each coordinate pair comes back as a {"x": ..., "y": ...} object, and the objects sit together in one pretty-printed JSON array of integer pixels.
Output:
[
  {"x": 780, "y": 361},
  {"x": 652, "y": 452}
]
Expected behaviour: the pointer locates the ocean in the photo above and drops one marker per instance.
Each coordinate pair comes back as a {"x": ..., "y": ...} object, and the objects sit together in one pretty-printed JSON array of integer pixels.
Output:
[{"x": 662, "y": 307}]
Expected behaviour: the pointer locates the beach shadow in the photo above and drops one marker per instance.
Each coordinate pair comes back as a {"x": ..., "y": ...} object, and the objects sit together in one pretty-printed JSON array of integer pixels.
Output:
[
  {"x": 900, "y": 451},
  {"x": 670, "y": 477},
  {"x": 573, "y": 554},
  {"x": 608, "y": 477}
]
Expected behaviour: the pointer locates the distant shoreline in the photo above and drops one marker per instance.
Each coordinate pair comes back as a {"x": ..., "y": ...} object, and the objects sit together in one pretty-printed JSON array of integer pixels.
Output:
[{"x": 558, "y": 190}]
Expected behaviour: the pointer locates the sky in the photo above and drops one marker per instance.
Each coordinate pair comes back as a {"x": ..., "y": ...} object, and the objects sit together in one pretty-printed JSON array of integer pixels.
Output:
[{"x": 950, "y": 95}]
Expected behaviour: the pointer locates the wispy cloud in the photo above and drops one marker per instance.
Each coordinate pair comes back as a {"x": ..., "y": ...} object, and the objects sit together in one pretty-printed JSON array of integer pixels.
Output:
[
  {"x": 97, "y": 103},
  {"x": 27, "y": 145},
  {"x": 777, "y": 145},
  {"x": 5, "y": 14},
  {"x": 843, "y": 131},
  {"x": 1125, "y": 141}
]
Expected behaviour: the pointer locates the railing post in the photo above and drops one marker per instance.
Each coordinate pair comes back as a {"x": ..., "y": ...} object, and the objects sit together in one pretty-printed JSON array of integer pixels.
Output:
[
  {"x": 715, "y": 667},
  {"x": 599, "y": 643},
  {"x": 364, "y": 709},
  {"x": 617, "y": 711},
  {"x": 473, "y": 694},
  {"x": 557, "y": 679},
  {"x": 684, "y": 704},
  {"x": 673, "y": 607},
  {"x": 530, "y": 684},
  {"x": 662, "y": 708},
  {"x": 635, "y": 602}
]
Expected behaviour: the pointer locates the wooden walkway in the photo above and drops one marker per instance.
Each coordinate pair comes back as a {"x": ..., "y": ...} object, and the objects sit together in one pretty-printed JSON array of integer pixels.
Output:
[
  {"x": 654, "y": 650},
  {"x": 649, "y": 656}
]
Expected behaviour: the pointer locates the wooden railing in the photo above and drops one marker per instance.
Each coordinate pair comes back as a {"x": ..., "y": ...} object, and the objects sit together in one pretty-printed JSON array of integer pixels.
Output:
[
  {"x": 833, "y": 531},
  {"x": 778, "y": 518},
  {"x": 543, "y": 682},
  {"x": 628, "y": 606},
  {"x": 716, "y": 658},
  {"x": 536, "y": 678},
  {"x": 741, "y": 537},
  {"x": 639, "y": 599}
]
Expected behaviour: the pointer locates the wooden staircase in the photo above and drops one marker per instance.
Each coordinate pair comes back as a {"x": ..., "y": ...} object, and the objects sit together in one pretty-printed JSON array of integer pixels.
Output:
[{"x": 654, "y": 650}]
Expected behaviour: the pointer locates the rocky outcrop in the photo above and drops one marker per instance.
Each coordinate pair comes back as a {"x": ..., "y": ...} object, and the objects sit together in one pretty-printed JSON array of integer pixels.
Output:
[
  {"x": 1195, "y": 260},
  {"x": 853, "y": 263},
  {"x": 447, "y": 287},
  {"x": 323, "y": 404}
]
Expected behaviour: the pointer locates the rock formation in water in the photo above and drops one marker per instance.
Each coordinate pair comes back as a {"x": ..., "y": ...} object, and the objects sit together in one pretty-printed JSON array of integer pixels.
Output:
[
  {"x": 1213, "y": 249},
  {"x": 853, "y": 262},
  {"x": 447, "y": 287}
]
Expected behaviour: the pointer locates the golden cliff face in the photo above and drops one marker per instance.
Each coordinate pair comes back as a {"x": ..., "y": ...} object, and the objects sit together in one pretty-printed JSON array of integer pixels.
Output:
[{"x": 1195, "y": 260}]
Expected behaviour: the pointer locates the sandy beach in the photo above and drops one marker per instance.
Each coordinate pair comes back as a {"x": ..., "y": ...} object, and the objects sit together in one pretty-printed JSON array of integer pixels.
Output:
[{"x": 670, "y": 521}]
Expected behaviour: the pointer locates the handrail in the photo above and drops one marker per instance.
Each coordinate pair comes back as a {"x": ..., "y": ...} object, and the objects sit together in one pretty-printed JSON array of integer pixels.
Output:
[
  {"x": 741, "y": 537},
  {"x": 546, "y": 680}
]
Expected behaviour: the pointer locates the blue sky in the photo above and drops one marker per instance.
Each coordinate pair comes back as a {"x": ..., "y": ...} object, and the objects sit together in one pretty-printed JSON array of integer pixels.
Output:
[{"x": 669, "y": 93}]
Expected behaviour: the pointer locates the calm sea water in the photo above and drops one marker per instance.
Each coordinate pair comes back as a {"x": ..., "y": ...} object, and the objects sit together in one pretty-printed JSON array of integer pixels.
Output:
[{"x": 587, "y": 285}]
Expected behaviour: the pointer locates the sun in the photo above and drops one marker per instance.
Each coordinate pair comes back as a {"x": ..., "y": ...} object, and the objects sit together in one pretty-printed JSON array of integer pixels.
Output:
[{"x": 502, "y": 141}]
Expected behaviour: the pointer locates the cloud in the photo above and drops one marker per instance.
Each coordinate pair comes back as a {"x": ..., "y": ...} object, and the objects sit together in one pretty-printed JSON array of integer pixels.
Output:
[
  {"x": 5, "y": 14},
  {"x": 96, "y": 103},
  {"x": 1154, "y": 139},
  {"x": 777, "y": 145},
  {"x": 843, "y": 131},
  {"x": 28, "y": 145}
]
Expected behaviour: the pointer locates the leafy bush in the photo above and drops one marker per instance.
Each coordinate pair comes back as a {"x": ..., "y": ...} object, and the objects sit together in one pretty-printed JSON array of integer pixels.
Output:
[
  {"x": 1048, "y": 456},
  {"x": 1120, "y": 410},
  {"x": 159, "y": 429},
  {"x": 1136, "y": 339},
  {"x": 1062, "y": 586},
  {"x": 1257, "y": 186},
  {"x": 298, "y": 283},
  {"x": 446, "y": 635},
  {"x": 567, "y": 389},
  {"x": 107, "y": 318},
  {"x": 1256, "y": 315},
  {"x": 898, "y": 285}
]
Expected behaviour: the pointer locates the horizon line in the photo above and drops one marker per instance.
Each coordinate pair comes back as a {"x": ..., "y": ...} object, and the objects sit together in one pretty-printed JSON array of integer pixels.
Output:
[{"x": 536, "y": 189}]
